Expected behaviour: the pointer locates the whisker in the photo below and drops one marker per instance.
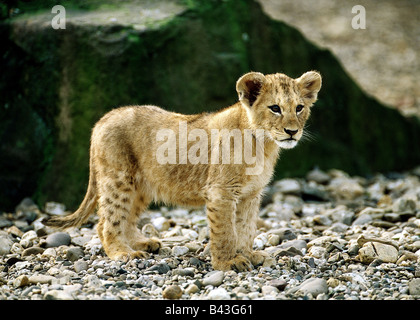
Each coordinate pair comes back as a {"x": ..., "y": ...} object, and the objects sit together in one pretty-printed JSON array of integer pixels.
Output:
[{"x": 308, "y": 136}]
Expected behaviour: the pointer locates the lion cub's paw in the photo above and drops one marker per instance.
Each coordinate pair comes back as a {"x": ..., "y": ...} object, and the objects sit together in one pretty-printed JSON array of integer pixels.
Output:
[
  {"x": 127, "y": 256},
  {"x": 239, "y": 263},
  {"x": 150, "y": 245}
]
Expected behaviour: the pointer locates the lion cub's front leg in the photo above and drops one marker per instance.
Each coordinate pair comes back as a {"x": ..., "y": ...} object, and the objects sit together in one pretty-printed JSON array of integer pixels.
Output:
[
  {"x": 246, "y": 224},
  {"x": 221, "y": 211}
]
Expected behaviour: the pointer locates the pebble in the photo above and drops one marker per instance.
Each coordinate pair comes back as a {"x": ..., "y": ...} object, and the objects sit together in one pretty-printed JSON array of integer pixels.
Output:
[
  {"x": 314, "y": 286},
  {"x": 376, "y": 250},
  {"x": 74, "y": 253},
  {"x": 219, "y": 294},
  {"x": 179, "y": 250},
  {"x": 57, "y": 239},
  {"x": 50, "y": 252},
  {"x": 58, "y": 295},
  {"x": 31, "y": 251},
  {"x": 21, "y": 281},
  {"x": 269, "y": 290},
  {"x": 172, "y": 292},
  {"x": 192, "y": 288},
  {"x": 5, "y": 244},
  {"x": 289, "y": 186},
  {"x": 80, "y": 265},
  {"x": 280, "y": 284},
  {"x": 214, "y": 278},
  {"x": 40, "y": 278},
  {"x": 414, "y": 286}
]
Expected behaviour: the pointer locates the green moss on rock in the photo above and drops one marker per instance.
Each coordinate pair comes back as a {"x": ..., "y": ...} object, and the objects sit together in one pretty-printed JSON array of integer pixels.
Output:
[{"x": 187, "y": 62}]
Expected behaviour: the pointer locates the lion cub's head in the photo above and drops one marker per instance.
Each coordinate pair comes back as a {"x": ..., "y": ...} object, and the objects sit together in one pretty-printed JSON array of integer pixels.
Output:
[{"x": 278, "y": 104}]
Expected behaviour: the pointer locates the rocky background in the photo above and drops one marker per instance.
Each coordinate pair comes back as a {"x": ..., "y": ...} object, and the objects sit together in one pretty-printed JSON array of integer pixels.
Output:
[{"x": 339, "y": 231}]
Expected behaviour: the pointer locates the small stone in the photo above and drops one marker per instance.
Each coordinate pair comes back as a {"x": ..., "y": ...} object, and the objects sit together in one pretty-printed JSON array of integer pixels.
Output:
[
  {"x": 26, "y": 205},
  {"x": 338, "y": 227},
  {"x": 74, "y": 253},
  {"x": 404, "y": 205},
  {"x": 414, "y": 286},
  {"x": 150, "y": 231},
  {"x": 269, "y": 290},
  {"x": 196, "y": 262},
  {"x": 280, "y": 284},
  {"x": 345, "y": 188},
  {"x": 192, "y": 288},
  {"x": 193, "y": 246},
  {"x": 320, "y": 241},
  {"x": 21, "y": 281},
  {"x": 5, "y": 244},
  {"x": 31, "y": 251},
  {"x": 322, "y": 220},
  {"x": 318, "y": 176},
  {"x": 289, "y": 252},
  {"x": 81, "y": 240},
  {"x": 57, "y": 295},
  {"x": 298, "y": 244},
  {"x": 219, "y": 294},
  {"x": 376, "y": 250},
  {"x": 289, "y": 186},
  {"x": 41, "y": 278},
  {"x": 362, "y": 219},
  {"x": 172, "y": 292},
  {"x": 179, "y": 250},
  {"x": 273, "y": 239},
  {"x": 340, "y": 214},
  {"x": 392, "y": 217},
  {"x": 49, "y": 252},
  {"x": 4, "y": 222},
  {"x": 161, "y": 223},
  {"x": 317, "y": 252},
  {"x": 161, "y": 268},
  {"x": 165, "y": 251},
  {"x": 187, "y": 272},
  {"x": 332, "y": 282},
  {"x": 314, "y": 286},
  {"x": 214, "y": 278},
  {"x": 55, "y": 208},
  {"x": 15, "y": 231},
  {"x": 284, "y": 233},
  {"x": 80, "y": 265},
  {"x": 57, "y": 239},
  {"x": 260, "y": 241}
]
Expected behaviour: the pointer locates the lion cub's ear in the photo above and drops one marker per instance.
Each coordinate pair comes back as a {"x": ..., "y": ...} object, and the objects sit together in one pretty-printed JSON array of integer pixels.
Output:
[
  {"x": 309, "y": 85},
  {"x": 248, "y": 87}
]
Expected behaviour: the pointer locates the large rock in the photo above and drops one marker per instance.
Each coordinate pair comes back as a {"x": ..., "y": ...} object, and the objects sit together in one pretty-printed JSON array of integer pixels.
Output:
[{"x": 55, "y": 84}]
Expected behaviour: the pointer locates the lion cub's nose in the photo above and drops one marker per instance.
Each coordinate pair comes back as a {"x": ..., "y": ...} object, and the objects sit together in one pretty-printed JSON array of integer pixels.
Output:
[{"x": 291, "y": 132}]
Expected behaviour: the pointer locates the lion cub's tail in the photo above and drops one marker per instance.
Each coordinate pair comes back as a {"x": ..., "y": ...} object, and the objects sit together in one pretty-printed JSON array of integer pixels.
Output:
[{"x": 81, "y": 215}]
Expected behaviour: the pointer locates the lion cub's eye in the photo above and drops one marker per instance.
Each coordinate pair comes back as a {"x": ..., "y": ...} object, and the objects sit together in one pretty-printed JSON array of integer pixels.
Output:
[
  {"x": 275, "y": 108},
  {"x": 299, "y": 108}
]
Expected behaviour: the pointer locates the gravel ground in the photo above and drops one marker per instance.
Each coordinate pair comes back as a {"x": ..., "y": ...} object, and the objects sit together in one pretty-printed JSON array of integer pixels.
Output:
[{"x": 330, "y": 236}]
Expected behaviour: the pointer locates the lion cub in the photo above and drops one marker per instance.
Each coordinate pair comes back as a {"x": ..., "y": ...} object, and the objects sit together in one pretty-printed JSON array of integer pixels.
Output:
[{"x": 141, "y": 154}]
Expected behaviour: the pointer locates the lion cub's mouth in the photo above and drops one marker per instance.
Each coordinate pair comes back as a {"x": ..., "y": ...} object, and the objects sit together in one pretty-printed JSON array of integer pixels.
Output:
[{"x": 288, "y": 143}]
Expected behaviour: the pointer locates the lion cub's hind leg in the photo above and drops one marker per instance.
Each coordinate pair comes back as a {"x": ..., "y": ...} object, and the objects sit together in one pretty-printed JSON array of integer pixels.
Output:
[
  {"x": 119, "y": 210},
  {"x": 137, "y": 240}
]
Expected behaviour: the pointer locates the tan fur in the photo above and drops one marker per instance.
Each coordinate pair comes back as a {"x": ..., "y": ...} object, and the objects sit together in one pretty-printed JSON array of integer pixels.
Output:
[{"x": 125, "y": 175}]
